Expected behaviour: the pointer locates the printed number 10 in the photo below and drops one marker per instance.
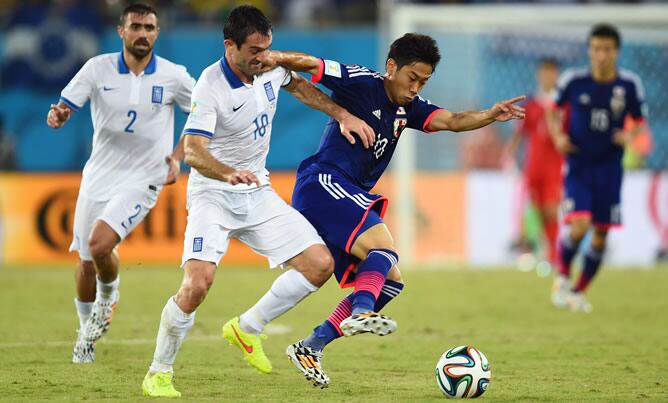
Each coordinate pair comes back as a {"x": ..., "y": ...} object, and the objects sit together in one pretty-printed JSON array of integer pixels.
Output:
[{"x": 261, "y": 124}]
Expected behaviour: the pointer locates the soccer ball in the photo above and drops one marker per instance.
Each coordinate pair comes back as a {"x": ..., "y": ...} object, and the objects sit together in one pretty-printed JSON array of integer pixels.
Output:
[{"x": 463, "y": 372}]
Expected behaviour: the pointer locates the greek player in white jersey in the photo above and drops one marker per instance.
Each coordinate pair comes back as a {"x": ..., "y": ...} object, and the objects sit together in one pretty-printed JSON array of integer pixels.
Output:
[
  {"x": 229, "y": 195},
  {"x": 132, "y": 95}
]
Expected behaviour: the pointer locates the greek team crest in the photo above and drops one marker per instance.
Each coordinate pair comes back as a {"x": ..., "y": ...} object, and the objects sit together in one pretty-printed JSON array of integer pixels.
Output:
[
  {"x": 269, "y": 89},
  {"x": 156, "y": 94},
  {"x": 197, "y": 244}
]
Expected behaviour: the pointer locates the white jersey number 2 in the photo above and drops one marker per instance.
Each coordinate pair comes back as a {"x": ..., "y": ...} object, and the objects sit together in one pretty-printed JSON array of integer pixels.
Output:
[{"x": 133, "y": 116}]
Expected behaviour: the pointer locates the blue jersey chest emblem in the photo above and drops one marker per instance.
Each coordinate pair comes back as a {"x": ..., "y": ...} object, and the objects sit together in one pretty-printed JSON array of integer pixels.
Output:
[{"x": 156, "y": 94}]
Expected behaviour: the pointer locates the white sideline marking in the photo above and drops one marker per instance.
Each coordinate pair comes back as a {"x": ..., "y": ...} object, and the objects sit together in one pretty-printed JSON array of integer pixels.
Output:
[{"x": 271, "y": 329}]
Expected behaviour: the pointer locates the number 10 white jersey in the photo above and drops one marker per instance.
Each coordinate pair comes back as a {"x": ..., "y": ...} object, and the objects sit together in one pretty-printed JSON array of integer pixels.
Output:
[{"x": 237, "y": 118}]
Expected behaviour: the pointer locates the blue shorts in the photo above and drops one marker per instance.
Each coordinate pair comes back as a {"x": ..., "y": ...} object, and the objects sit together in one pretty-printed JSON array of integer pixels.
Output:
[
  {"x": 593, "y": 189},
  {"x": 340, "y": 211}
]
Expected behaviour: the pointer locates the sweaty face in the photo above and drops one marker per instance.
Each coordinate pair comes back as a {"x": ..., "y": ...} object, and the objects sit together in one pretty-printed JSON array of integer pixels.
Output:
[
  {"x": 139, "y": 33},
  {"x": 405, "y": 83},
  {"x": 602, "y": 53},
  {"x": 246, "y": 57}
]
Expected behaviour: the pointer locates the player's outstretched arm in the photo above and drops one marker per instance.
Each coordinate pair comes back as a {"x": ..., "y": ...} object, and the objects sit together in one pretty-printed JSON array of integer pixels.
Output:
[
  {"x": 350, "y": 125},
  {"x": 197, "y": 155},
  {"x": 295, "y": 61},
  {"x": 58, "y": 115},
  {"x": 502, "y": 111}
]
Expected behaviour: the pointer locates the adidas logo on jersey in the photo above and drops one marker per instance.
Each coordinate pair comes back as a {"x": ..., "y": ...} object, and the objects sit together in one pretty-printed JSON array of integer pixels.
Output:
[{"x": 376, "y": 113}]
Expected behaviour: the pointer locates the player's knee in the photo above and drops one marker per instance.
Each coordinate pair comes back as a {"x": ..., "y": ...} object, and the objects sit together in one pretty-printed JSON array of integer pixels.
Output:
[
  {"x": 598, "y": 239},
  {"x": 579, "y": 230},
  {"x": 100, "y": 247},
  {"x": 320, "y": 268}
]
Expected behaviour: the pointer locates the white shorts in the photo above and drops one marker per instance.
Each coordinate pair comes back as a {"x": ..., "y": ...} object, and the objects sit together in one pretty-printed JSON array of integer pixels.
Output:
[
  {"x": 259, "y": 219},
  {"x": 122, "y": 213}
]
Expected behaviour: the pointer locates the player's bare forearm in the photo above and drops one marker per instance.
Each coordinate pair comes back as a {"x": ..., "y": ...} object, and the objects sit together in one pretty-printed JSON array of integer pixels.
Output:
[
  {"x": 197, "y": 155},
  {"x": 460, "y": 121},
  {"x": 296, "y": 61},
  {"x": 312, "y": 97}
]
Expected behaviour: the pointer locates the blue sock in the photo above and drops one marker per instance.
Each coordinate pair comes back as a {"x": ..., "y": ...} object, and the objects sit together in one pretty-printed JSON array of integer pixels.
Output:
[
  {"x": 592, "y": 262},
  {"x": 327, "y": 332},
  {"x": 567, "y": 250},
  {"x": 321, "y": 336},
  {"x": 390, "y": 290}
]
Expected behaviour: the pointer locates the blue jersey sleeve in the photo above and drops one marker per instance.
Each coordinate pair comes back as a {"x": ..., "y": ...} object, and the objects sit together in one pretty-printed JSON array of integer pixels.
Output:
[
  {"x": 342, "y": 78},
  {"x": 420, "y": 113}
]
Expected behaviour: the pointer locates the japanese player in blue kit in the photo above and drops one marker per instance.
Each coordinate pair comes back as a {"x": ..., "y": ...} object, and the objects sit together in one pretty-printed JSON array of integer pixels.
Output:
[
  {"x": 597, "y": 98},
  {"x": 333, "y": 186}
]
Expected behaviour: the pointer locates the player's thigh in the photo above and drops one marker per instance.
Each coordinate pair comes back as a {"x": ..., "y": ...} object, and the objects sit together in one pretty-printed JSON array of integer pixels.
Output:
[
  {"x": 86, "y": 213},
  {"x": 578, "y": 198},
  {"x": 376, "y": 237},
  {"x": 207, "y": 234},
  {"x": 281, "y": 233},
  {"x": 128, "y": 208}
]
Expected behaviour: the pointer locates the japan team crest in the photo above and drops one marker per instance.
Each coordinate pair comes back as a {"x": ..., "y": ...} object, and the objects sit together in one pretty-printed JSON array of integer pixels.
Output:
[
  {"x": 400, "y": 122},
  {"x": 618, "y": 101}
]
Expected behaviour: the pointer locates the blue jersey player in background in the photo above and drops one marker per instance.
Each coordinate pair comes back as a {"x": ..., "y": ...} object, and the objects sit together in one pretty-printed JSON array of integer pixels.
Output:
[
  {"x": 332, "y": 188},
  {"x": 597, "y": 100}
]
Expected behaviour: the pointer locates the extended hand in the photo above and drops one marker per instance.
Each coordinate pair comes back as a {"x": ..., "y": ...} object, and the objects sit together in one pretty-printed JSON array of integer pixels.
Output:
[
  {"x": 58, "y": 115},
  {"x": 269, "y": 60},
  {"x": 352, "y": 125},
  {"x": 246, "y": 177},
  {"x": 505, "y": 110},
  {"x": 174, "y": 170}
]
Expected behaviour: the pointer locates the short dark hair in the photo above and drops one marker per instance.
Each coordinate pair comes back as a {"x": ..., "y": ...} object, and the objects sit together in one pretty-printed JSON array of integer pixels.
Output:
[
  {"x": 138, "y": 8},
  {"x": 412, "y": 48},
  {"x": 548, "y": 62},
  {"x": 244, "y": 21},
  {"x": 606, "y": 31}
]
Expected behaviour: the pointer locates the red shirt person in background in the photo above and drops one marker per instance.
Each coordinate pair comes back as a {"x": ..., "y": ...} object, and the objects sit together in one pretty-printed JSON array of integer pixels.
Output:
[{"x": 542, "y": 163}]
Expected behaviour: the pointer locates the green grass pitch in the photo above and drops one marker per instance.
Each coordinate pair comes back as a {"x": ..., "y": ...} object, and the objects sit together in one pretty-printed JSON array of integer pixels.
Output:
[{"x": 537, "y": 353}]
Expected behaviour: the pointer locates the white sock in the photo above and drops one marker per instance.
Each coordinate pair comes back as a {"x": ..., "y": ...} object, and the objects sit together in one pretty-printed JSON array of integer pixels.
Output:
[
  {"x": 286, "y": 292},
  {"x": 174, "y": 325},
  {"x": 105, "y": 291},
  {"x": 83, "y": 310}
]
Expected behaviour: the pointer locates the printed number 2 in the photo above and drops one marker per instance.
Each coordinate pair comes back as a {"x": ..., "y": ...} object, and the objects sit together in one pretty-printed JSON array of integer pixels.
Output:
[
  {"x": 133, "y": 116},
  {"x": 260, "y": 126},
  {"x": 132, "y": 217}
]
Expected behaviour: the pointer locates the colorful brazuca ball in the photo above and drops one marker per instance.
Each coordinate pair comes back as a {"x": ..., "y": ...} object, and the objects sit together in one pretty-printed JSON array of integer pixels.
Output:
[{"x": 463, "y": 372}]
